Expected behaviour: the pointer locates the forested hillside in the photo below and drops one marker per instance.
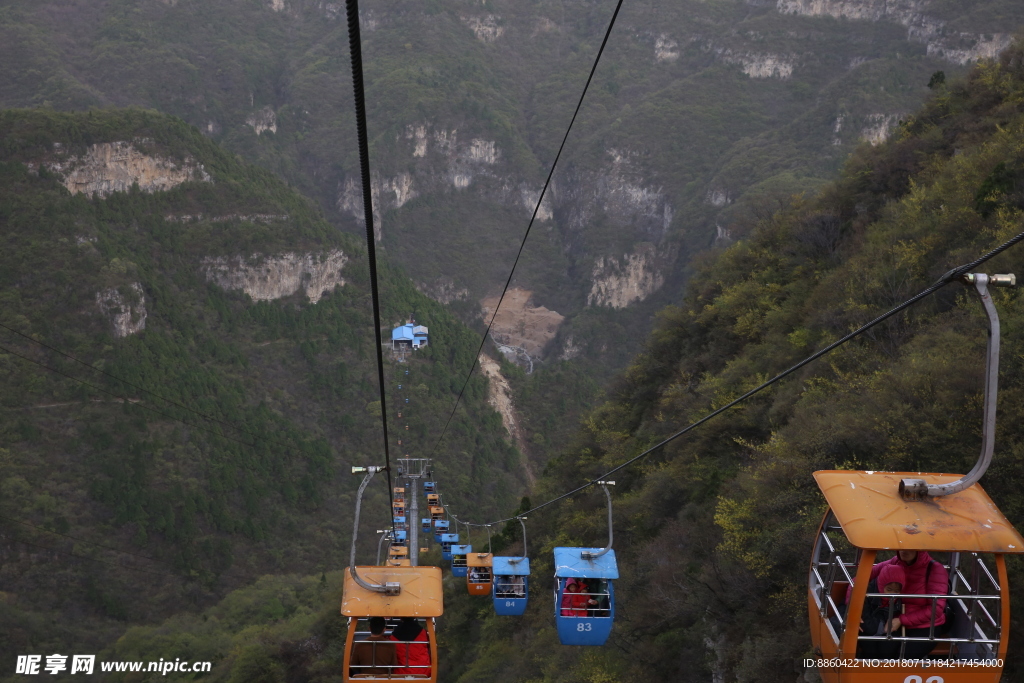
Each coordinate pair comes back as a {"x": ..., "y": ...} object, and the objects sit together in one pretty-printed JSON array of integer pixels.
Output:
[
  {"x": 713, "y": 533},
  {"x": 188, "y": 370},
  {"x": 702, "y": 116}
]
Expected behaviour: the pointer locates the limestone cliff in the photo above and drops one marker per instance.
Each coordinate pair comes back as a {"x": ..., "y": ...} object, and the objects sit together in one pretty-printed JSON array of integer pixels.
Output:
[
  {"x": 487, "y": 28},
  {"x": 620, "y": 282},
  {"x": 263, "y": 120},
  {"x": 622, "y": 192},
  {"x": 273, "y": 277},
  {"x": 957, "y": 47},
  {"x": 124, "y": 307},
  {"x": 109, "y": 167}
]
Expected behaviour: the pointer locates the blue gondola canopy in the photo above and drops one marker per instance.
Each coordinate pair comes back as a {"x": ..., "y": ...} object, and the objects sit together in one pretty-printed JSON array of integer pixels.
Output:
[{"x": 569, "y": 562}]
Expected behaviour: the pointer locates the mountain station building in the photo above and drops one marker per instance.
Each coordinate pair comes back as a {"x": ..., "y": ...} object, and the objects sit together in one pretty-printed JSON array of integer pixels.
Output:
[{"x": 410, "y": 336}]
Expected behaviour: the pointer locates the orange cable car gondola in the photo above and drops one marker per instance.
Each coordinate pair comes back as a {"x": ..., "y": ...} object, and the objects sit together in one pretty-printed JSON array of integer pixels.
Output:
[
  {"x": 398, "y": 591},
  {"x": 480, "y": 567},
  {"x": 942, "y": 619},
  {"x": 416, "y": 599}
]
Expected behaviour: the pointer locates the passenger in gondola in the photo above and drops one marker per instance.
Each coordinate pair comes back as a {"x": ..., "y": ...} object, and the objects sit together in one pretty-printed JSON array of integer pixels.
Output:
[
  {"x": 574, "y": 603},
  {"x": 925, "y": 576},
  {"x": 412, "y": 648},
  {"x": 875, "y": 617},
  {"x": 376, "y": 654},
  {"x": 599, "y": 599}
]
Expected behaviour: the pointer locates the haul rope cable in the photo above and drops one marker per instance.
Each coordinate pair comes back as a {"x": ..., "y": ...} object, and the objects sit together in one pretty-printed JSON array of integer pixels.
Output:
[
  {"x": 355, "y": 48},
  {"x": 536, "y": 209},
  {"x": 946, "y": 279}
]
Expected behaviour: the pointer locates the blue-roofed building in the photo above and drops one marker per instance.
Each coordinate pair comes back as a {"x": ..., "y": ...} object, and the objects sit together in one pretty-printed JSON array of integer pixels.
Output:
[{"x": 410, "y": 336}]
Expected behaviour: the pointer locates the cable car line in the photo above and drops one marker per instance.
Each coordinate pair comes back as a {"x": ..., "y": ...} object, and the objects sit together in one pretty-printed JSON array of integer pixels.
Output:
[
  {"x": 951, "y": 276},
  {"x": 529, "y": 227},
  {"x": 355, "y": 49},
  {"x": 138, "y": 387}
]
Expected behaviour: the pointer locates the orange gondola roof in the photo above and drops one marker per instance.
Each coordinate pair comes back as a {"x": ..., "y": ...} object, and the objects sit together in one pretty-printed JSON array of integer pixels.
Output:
[
  {"x": 479, "y": 560},
  {"x": 873, "y": 515},
  {"x": 421, "y": 594}
]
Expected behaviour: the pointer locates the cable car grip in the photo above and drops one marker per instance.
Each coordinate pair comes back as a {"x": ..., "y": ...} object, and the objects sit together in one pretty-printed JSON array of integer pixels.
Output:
[
  {"x": 388, "y": 588},
  {"x": 586, "y": 554},
  {"x": 918, "y": 489}
]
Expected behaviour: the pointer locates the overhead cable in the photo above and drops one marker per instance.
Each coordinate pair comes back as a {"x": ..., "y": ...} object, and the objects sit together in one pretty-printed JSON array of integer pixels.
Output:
[
  {"x": 355, "y": 48},
  {"x": 536, "y": 210}
]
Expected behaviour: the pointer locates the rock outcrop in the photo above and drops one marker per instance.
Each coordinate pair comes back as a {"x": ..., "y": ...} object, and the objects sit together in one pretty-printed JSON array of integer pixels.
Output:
[
  {"x": 618, "y": 283},
  {"x": 124, "y": 307},
  {"x": 486, "y": 28},
  {"x": 879, "y": 127},
  {"x": 110, "y": 167},
  {"x": 957, "y": 47},
  {"x": 263, "y": 120},
  {"x": 265, "y": 278}
]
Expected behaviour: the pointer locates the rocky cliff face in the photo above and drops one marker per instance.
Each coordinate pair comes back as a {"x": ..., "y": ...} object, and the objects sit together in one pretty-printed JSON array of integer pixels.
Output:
[
  {"x": 956, "y": 47},
  {"x": 110, "y": 167},
  {"x": 275, "y": 277},
  {"x": 263, "y": 120},
  {"x": 125, "y": 308},
  {"x": 620, "y": 282}
]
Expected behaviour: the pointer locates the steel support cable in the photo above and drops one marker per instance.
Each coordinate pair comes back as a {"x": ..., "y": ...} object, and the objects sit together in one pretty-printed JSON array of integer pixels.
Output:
[
  {"x": 951, "y": 276},
  {"x": 356, "y": 50},
  {"x": 137, "y": 387},
  {"x": 536, "y": 210}
]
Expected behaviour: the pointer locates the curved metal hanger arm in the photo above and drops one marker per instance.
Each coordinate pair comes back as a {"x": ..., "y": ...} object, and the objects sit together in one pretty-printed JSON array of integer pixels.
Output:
[
  {"x": 915, "y": 489},
  {"x": 370, "y": 471},
  {"x": 586, "y": 554}
]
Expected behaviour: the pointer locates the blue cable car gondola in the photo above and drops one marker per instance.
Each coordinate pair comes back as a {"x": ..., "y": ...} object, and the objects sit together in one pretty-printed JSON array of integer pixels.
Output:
[
  {"x": 429, "y": 487},
  {"x": 584, "y": 617},
  {"x": 447, "y": 541},
  {"x": 400, "y": 538},
  {"x": 584, "y": 594},
  {"x": 459, "y": 567},
  {"x": 399, "y": 522},
  {"x": 511, "y": 585},
  {"x": 511, "y": 581},
  {"x": 441, "y": 527},
  {"x": 425, "y": 523}
]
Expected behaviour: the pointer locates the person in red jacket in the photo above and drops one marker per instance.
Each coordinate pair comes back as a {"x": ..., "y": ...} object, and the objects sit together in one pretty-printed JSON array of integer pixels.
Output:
[
  {"x": 574, "y": 603},
  {"x": 412, "y": 649},
  {"x": 922, "y": 575}
]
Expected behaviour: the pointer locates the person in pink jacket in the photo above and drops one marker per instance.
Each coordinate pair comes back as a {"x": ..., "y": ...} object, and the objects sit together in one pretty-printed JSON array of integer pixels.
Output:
[{"x": 923, "y": 575}]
